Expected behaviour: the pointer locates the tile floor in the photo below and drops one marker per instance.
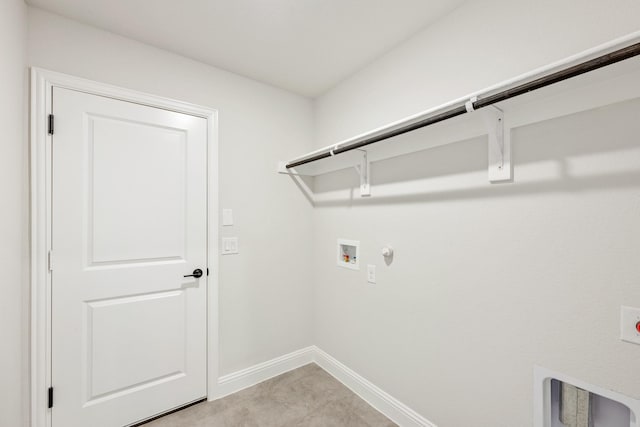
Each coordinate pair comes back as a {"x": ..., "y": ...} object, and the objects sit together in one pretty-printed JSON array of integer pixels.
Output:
[{"x": 307, "y": 396}]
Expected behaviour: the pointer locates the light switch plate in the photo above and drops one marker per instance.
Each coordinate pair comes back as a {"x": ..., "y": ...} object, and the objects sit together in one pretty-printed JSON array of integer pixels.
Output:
[
  {"x": 371, "y": 273},
  {"x": 229, "y": 245},
  {"x": 227, "y": 217},
  {"x": 629, "y": 318}
]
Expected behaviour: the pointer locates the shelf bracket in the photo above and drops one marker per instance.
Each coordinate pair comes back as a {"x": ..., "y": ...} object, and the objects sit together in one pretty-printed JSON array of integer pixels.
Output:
[
  {"x": 499, "y": 140},
  {"x": 298, "y": 178},
  {"x": 282, "y": 168},
  {"x": 364, "y": 170}
]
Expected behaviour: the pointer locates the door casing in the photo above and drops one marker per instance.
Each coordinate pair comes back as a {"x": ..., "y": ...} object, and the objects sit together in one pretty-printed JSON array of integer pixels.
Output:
[{"x": 42, "y": 82}]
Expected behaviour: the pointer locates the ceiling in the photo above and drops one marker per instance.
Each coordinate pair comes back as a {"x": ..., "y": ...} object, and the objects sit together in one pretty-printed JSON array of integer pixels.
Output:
[{"x": 305, "y": 46}]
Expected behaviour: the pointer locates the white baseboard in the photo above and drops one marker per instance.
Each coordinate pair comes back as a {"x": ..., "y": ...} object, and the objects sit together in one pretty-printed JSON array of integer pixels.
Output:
[
  {"x": 395, "y": 410},
  {"x": 236, "y": 381}
]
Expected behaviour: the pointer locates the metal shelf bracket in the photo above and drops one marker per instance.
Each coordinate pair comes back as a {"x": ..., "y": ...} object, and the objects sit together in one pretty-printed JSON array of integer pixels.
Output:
[
  {"x": 499, "y": 140},
  {"x": 364, "y": 170}
]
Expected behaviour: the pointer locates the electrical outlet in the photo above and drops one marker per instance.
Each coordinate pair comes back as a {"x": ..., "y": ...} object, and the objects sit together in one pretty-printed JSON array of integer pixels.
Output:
[
  {"x": 371, "y": 273},
  {"x": 229, "y": 245},
  {"x": 630, "y": 324}
]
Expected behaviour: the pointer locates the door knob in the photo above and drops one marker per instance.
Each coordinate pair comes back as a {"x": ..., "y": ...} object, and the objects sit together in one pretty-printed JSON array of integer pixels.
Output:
[{"x": 196, "y": 273}]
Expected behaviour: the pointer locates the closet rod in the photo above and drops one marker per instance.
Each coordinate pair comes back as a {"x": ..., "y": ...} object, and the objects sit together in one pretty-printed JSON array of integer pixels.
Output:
[{"x": 558, "y": 76}]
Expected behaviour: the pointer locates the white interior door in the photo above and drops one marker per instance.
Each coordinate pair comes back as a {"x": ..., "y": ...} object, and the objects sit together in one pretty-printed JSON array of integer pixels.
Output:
[{"x": 129, "y": 215}]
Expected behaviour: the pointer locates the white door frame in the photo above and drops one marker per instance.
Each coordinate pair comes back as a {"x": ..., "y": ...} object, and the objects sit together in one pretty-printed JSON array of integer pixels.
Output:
[{"x": 42, "y": 82}]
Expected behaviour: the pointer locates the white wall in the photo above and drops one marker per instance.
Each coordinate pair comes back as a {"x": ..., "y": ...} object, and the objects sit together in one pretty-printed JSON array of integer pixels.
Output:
[
  {"x": 13, "y": 211},
  {"x": 265, "y": 300},
  {"x": 488, "y": 280},
  {"x": 481, "y": 43},
  {"x": 538, "y": 268}
]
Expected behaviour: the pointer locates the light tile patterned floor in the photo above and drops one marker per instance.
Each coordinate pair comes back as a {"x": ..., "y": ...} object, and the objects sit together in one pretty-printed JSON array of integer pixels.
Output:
[{"x": 307, "y": 396}]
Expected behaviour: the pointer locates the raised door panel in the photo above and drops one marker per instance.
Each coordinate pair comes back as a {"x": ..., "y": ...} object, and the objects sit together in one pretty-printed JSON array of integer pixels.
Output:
[
  {"x": 133, "y": 343},
  {"x": 137, "y": 191}
]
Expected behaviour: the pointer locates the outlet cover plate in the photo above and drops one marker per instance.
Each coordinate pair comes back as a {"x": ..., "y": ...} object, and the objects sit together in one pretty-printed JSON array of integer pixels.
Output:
[
  {"x": 629, "y": 318},
  {"x": 371, "y": 273},
  {"x": 229, "y": 245},
  {"x": 227, "y": 217}
]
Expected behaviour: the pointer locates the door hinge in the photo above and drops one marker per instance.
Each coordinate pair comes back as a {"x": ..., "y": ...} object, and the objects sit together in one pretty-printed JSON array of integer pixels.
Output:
[
  {"x": 50, "y": 403},
  {"x": 50, "y": 124},
  {"x": 50, "y": 260},
  {"x": 207, "y": 271}
]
